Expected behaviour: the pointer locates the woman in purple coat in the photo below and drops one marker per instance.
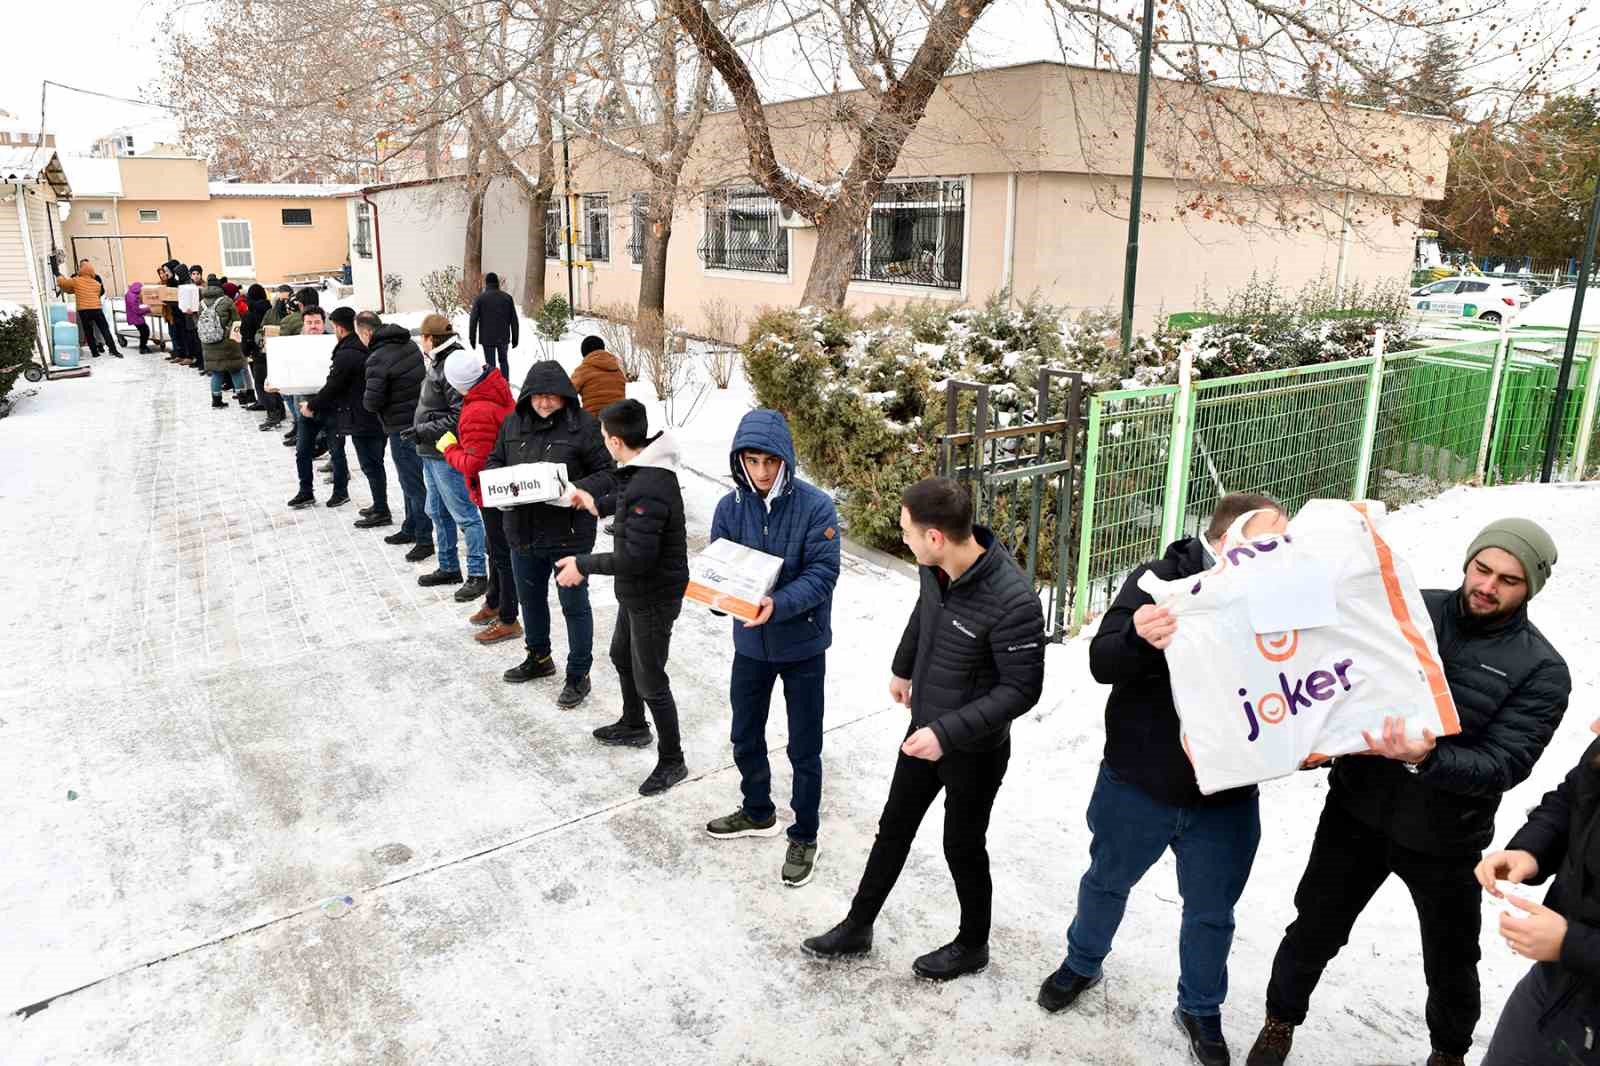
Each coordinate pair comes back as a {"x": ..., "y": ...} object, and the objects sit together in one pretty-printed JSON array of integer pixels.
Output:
[{"x": 133, "y": 311}]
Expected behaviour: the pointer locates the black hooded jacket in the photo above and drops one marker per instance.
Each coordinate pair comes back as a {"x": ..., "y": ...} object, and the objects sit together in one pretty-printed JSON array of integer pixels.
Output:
[
  {"x": 256, "y": 308},
  {"x": 650, "y": 556},
  {"x": 339, "y": 402},
  {"x": 1144, "y": 744},
  {"x": 394, "y": 378},
  {"x": 572, "y": 436},
  {"x": 493, "y": 319}
]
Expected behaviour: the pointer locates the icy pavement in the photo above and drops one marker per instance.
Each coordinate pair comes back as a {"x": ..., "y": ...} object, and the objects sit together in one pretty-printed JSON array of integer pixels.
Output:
[{"x": 257, "y": 710}]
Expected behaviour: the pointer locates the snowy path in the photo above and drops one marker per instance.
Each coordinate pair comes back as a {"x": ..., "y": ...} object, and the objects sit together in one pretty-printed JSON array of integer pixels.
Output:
[{"x": 258, "y": 709}]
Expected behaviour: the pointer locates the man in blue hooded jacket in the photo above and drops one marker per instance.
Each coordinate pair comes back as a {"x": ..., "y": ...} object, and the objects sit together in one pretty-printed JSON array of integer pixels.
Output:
[{"x": 775, "y": 512}]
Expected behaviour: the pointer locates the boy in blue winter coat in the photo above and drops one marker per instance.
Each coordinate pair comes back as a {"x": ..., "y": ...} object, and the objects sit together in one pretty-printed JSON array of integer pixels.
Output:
[{"x": 775, "y": 512}]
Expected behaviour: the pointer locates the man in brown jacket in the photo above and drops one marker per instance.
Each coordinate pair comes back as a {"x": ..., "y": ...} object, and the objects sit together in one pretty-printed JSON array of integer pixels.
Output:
[
  {"x": 85, "y": 289},
  {"x": 599, "y": 378}
]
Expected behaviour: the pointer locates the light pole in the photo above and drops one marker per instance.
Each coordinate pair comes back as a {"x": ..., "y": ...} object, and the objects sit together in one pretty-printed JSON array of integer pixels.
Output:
[
  {"x": 1553, "y": 438},
  {"x": 1135, "y": 193}
]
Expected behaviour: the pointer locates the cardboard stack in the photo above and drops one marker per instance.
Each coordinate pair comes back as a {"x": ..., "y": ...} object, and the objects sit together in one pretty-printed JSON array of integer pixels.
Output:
[
  {"x": 513, "y": 486},
  {"x": 155, "y": 295},
  {"x": 730, "y": 577}
]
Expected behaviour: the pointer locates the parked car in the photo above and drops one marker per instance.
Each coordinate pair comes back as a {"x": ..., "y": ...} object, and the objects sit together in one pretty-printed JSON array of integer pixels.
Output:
[
  {"x": 1484, "y": 299},
  {"x": 1553, "y": 310}
]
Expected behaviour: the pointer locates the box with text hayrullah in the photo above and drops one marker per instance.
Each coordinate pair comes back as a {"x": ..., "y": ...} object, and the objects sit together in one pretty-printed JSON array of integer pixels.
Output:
[
  {"x": 298, "y": 366},
  {"x": 513, "y": 486},
  {"x": 727, "y": 576}
]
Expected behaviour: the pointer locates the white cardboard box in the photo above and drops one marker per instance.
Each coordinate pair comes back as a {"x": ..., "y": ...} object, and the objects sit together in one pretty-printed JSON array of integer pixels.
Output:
[
  {"x": 727, "y": 576},
  {"x": 513, "y": 486},
  {"x": 298, "y": 366}
]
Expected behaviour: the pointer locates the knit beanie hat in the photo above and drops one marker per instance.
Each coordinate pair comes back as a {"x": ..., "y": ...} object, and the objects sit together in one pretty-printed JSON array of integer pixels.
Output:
[
  {"x": 463, "y": 369},
  {"x": 591, "y": 343},
  {"x": 1523, "y": 539}
]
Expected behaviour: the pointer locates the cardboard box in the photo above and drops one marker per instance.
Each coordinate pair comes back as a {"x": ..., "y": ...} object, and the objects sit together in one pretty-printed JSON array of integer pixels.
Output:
[
  {"x": 272, "y": 331},
  {"x": 156, "y": 295},
  {"x": 513, "y": 486},
  {"x": 297, "y": 366},
  {"x": 729, "y": 577}
]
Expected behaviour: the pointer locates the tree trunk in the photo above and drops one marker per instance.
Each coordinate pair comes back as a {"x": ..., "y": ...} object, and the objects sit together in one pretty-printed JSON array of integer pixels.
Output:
[
  {"x": 533, "y": 276},
  {"x": 839, "y": 234},
  {"x": 430, "y": 153},
  {"x": 472, "y": 254},
  {"x": 653, "y": 276}
]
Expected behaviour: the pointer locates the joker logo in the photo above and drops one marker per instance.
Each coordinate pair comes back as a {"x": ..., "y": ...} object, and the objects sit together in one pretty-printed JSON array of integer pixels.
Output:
[{"x": 1289, "y": 697}]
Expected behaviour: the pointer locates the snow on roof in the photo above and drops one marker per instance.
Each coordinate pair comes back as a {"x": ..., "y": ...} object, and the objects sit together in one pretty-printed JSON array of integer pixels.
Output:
[
  {"x": 281, "y": 189},
  {"x": 91, "y": 177},
  {"x": 30, "y": 163}
]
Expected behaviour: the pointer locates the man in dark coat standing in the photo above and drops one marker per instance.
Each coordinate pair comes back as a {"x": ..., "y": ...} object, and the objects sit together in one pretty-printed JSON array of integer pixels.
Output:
[
  {"x": 1423, "y": 808},
  {"x": 393, "y": 384},
  {"x": 494, "y": 323},
  {"x": 970, "y": 661}
]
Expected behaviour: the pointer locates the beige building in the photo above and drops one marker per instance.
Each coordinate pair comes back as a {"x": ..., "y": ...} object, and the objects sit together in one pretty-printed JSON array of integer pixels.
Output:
[
  {"x": 1016, "y": 178},
  {"x": 32, "y": 183},
  {"x": 138, "y": 211}
]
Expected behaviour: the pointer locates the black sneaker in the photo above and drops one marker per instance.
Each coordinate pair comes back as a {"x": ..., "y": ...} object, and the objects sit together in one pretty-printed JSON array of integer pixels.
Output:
[
  {"x": 530, "y": 669},
  {"x": 365, "y": 511},
  {"x": 290, "y": 434},
  {"x": 402, "y": 537},
  {"x": 663, "y": 777},
  {"x": 216, "y": 397},
  {"x": 419, "y": 552},
  {"x": 289, "y": 442},
  {"x": 1272, "y": 1044},
  {"x": 302, "y": 499},
  {"x": 1055, "y": 996},
  {"x": 623, "y": 733},
  {"x": 338, "y": 499},
  {"x": 472, "y": 589},
  {"x": 440, "y": 577},
  {"x": 374, "y": 521},
  {"x": 739, "y": 824},
  {"x": 847, "y": 940},
  {"x": 1205, "y": 1036},
  {"x": 798, "y": 863},
  {"x": 953, "y": 960},
  {"x": 574, "y": 692},
  {"x": 269, "y": 424}
]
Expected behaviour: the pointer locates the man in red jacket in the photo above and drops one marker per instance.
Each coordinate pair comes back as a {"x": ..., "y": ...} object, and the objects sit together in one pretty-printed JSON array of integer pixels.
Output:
[{"x": 486, "y": 403}]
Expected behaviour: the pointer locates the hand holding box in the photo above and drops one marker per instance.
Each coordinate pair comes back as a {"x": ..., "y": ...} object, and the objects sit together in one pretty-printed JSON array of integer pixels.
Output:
[{"x": 727, "y": 576}]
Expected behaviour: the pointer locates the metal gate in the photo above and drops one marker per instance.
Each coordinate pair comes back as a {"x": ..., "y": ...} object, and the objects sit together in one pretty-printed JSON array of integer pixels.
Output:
[{"x": 1024, "y": 479}]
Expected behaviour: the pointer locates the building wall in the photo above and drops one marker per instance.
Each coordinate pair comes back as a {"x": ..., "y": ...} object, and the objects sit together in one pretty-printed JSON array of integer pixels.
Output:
[{"x": 16, "y": 280}]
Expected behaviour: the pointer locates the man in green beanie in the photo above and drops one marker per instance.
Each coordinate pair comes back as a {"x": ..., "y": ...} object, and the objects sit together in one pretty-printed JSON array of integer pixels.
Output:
[{"x": 1423, "y": 808}]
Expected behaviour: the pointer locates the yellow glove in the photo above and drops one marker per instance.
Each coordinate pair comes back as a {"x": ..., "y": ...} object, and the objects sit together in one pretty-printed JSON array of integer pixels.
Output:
[{"x": 445, "y": 440}]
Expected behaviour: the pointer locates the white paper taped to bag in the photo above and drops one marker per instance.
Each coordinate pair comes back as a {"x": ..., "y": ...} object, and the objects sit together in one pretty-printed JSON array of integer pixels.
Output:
[
  {"x": 298, "y": 365},
  {"x": 513, "y": 486},
  {"x": 1258, "y": 705},
  {"x": 727, "y": 576}
]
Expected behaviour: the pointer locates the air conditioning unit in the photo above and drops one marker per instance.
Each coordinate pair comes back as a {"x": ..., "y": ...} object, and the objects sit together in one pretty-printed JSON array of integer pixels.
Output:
[{"x": 789, "y": 218}]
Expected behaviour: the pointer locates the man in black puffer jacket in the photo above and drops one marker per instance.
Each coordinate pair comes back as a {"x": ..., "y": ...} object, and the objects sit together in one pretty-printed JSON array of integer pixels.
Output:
[
  {"x": 1553, "y": 1015},
  {"x": 1424, "y": 810},
  {"x": 550, "y": 425},
  {"x": 341, "y": 405},
  {"x": 651, "y": 566},
  {"x": 970, "y": 661},
  {"x": 393, "y": 385}
]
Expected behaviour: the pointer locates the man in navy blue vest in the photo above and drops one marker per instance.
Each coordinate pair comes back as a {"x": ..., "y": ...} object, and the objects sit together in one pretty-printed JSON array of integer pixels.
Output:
[{"x": 773, "y": 511}]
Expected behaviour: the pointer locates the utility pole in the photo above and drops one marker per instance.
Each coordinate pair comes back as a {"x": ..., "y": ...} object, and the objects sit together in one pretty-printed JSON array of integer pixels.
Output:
[
  {"x": 1135, "y": 193},
  {"x": 1553, "y": 438},
  {"x": 571, "y": 219}
]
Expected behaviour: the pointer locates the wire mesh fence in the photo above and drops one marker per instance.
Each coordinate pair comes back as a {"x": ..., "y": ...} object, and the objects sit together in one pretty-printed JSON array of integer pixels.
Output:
[{"x": 1429, "y": 430}]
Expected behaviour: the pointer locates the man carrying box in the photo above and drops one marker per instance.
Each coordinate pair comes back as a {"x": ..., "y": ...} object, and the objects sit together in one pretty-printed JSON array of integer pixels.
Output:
[
  {"x": 1424, "y": 810},
  {"x": 774, "y": 512}
]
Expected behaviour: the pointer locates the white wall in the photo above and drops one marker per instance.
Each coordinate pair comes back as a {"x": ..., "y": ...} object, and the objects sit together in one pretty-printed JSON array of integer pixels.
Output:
[
  {"x": 363, "y": 271},
  {"x": 422, "y": 227}
]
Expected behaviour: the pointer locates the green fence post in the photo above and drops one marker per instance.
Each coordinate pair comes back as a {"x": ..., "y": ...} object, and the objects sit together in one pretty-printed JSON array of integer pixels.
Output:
[
  {"x": 1172, "y": 506},
  {"x": 1080, "y": 596},
  {"x": 1369, "y": 421},
  {"x": 1591, "y": 392},
  {"x": 1497, "y": 371}
]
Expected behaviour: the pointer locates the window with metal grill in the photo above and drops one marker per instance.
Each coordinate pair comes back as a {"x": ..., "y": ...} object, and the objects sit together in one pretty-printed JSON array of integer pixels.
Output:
[
  {"x": 552, "y": 229},
  {"x": 363, "y": 230},
  {"x": 742, "y": 232},
  {"x": 914, "y": 234},
  {"x": 638, "y": 213},
  {"x": 597, "y": 227},
  {"x": 297, "y": 216}
]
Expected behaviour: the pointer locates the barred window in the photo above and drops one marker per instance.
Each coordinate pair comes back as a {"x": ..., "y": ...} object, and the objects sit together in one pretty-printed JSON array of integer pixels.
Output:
[
  {"x": 597, "y": 227},
  {"x": 639, "y": 207},
  {"x": 297, "y": 216},
  {"x": 552, "y": 229},
  {"x": 742, "y": 232},
  {"x": 363, "y": 230},
  {"x": 914, "y": 235}
]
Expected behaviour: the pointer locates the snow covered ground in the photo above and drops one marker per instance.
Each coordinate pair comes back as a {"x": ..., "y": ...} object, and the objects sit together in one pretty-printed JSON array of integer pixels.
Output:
[{"x": 258, "y": 710}]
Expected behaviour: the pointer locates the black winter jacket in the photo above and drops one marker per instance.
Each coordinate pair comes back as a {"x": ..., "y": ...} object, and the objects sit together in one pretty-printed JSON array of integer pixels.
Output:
[
  {"x": 1510, "y": 687},
  {"x": 651, "y": 557},
  {"x": 571, "y": 436},
  {"x": 255, "y": 313},
  {"x": 1144, "y": 743},
  {"x": 439, "y": 405},
  {"x": 973, "y": 650},
  {"x": 394, "y": 378},
  {"x": 1563, "y": 834},
  {"x": 493, "y": 319},
  {"x": 339, "y": 402}
]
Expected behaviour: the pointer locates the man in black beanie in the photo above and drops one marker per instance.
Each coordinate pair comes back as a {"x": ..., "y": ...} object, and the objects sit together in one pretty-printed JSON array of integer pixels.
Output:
[{"x": 1424, "y": 808}]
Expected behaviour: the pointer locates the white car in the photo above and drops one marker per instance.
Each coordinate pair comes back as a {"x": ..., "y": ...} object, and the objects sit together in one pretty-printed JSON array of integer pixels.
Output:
[{"x": 1484, "y": 299}]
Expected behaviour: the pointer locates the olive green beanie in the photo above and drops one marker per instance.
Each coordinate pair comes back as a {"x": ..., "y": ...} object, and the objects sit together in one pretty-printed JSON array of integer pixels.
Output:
[{"x": 1525, "y": 540}]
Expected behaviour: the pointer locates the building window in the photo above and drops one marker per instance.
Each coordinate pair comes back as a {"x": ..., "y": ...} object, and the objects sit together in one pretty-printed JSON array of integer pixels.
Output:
[
  {"x": 914, "y": 235},
  {"x": 553, "y": 237},
  {"x": 96, "y": 215},
  {"x": 297, "y": 216},
  {"x": 597, "y": 227},
  {"x": 742, "y": 232},
  {"x": 638, "y": 213},
  {"x": 149, "y": 214},
  {"x": 363, "y": 229},
  {"x": 238, "y": 253}
]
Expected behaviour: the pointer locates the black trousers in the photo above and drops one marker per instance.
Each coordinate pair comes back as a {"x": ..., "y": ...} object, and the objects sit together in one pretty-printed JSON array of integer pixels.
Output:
[
  {"x": 970, "y": 780},
  {"x": 493, "y": 353},
  {"x": 1349, "y": 860},
  {"x": 502, "y": 594},
  {"x": 144, "y": 336},
  {"x": 639, "y": 648},
  {"x": 93, "y": 322},
  {"x": 369, "y": 453},
  {"x": 1548, "y": 1021},
  {"x": 270, "y": 400}
]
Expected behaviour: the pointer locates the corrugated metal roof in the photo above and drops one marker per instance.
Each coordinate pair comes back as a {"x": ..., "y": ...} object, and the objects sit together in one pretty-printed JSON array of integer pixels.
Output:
[
  {"x": 26, "y": 162},
  {"x": 92, "y": 177},
  {"x": 281, "y": 189}
]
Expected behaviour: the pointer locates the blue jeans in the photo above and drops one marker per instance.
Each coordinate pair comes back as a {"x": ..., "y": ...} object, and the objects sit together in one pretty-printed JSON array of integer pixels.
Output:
[
  {"x": 1215, "y": 847},
  {"x": 408, "y": 466},
  {"x": 451, "y": 508},
  {"x": 216, "y": 380},
  {"x": 532, "y": 568},
  {"x": 750, "y": 692}
]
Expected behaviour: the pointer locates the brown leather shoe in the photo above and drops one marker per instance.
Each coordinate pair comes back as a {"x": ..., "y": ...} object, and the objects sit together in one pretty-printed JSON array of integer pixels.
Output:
[
  {"x": 484, "y": 615},
  {"x": 497, "y": 632}
]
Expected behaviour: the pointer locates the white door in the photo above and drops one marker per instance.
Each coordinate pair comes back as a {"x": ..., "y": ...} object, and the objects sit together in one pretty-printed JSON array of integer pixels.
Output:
[{"x": 238, "y": 254}]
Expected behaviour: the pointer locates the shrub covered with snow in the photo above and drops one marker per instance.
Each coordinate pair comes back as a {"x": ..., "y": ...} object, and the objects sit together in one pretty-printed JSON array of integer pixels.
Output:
[{"x": 18, "y": 328}]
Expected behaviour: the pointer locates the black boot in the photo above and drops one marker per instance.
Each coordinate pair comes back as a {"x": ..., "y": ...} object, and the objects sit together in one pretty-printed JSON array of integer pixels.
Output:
[
  {"x": 302, "y": 499},
  {"x": 955, "y": 959},
  {"x": 338, "y": 499},
  {"x": 472, "y": 589},
  {"x": 531, "y": 668},
  {"x": 1272, "y": 1044},
  {"x": 374, "y": 521},
  {"x": 624, "y": 734},
  {"x": 401, "y": 537},
  {"x": 666, "y": 774},
  {"x": 440, "y": 577},
  {"x": 574, "y": 692},
  {"x": 217, "y": 400},
  {"x": 419, "y": 551},
  {"x": 1205, "y": 1036},
  {"x": 847, "y": 940},
  {"x": 245, "y": 399},
  {"x": 1054, "y": 996}
]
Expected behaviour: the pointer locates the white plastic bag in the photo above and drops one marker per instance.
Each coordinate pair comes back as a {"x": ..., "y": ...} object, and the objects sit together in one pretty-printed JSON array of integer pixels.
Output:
[{"x": 1254, "y": 706}]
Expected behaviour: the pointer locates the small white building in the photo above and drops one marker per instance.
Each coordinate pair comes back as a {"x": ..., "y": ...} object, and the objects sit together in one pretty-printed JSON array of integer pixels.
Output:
[{"x": 32, "y": 182}]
